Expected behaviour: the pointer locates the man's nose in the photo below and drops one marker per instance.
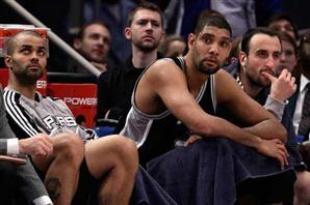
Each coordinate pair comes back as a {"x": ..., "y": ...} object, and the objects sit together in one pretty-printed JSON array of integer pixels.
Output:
[
  {"x": 149, "y": 25},
  {"x": 214, "y": 49},
  {"x": 282, "y": 57},
  {"x": 283, "y": 29},
  {"x": 271, "y": 63},
  {"x": 34, "y": 56},
  {"x": 100, "y": 41}
]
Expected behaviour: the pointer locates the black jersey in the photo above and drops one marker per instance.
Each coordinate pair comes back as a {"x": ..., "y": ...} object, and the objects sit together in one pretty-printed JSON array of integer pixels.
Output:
[{"x": 157, "y": 134}]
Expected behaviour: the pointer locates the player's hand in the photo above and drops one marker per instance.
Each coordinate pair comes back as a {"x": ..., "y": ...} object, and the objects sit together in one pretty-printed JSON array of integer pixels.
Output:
[
  {"x": 282, "y": 87},
  {"x": 193, "y": 138},
  {"x": 274, "y": 148},
  {"x": 39, "y": 145}
]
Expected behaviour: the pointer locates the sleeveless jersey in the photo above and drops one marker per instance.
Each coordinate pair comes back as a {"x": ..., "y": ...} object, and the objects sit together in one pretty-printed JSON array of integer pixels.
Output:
[{"x": 157, "y": 134}]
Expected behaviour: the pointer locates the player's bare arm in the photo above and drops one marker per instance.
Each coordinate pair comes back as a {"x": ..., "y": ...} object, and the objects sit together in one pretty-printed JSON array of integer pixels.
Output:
[
  {"x": 262, "y": 123},
  {"x": 165, "y": 81}
]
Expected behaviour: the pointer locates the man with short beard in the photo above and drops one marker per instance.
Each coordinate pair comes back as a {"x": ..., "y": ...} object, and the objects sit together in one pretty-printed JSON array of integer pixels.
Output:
[
  {"x": 144, "y": 30},
  {"x": 260, "y": 56},
  {"x": 107, "y": 165}
]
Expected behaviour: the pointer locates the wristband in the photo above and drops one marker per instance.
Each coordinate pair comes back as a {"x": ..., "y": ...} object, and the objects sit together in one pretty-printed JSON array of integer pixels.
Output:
[{"x": 275, "y": 106}]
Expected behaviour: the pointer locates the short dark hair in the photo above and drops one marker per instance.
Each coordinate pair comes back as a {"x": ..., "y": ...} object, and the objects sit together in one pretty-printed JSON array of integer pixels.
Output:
[
  {"x": 147, "y": 6},
  {"x": 283, "y": 16},
  {"x": 81, "y": 32},
  {"x": 211, "y": 19},
  {"x": 245, "y": 42},
  {"x": 210, "y": 12},
  {"x": 10, "y": 44}
]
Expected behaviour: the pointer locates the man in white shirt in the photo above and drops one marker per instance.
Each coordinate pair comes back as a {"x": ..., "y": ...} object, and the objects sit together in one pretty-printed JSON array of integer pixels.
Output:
[{"x": 298, "y": 100}]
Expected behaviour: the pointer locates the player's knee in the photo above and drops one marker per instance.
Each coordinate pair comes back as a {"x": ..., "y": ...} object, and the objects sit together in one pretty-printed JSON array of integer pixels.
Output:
[
  {"x": 71, "y": 148},
  {"x": 302, "y": 188},
  {"x": 126, "y": 150}
]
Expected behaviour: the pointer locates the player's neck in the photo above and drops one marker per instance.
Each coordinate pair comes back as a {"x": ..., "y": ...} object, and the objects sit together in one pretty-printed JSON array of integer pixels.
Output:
[
  {"x": 195, "y": 78},
  {"x": 27, "y": 91},
  {"x": 248, "y": 86}
]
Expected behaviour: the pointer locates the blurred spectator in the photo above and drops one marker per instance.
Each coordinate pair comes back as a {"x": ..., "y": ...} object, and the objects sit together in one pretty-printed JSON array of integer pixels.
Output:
[
  {"x": 283, "y": 22},
  {"x": 299, "y": 11},
  {"x": 93, "y": 42},
  {"x": 288, "y": 59},
  {"x": 235, "y": 50},
  {"x": 172, "y": 46}
]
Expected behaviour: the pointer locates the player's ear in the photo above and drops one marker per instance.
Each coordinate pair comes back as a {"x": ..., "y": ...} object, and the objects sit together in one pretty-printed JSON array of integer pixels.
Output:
[
  {"x": 8, "y": 61},
  {"x": 77, "y": 43},
  {"x": 191, "y": 39},
  {"x": 127, "y": 33},
  {"x": 243, "y": 58}
]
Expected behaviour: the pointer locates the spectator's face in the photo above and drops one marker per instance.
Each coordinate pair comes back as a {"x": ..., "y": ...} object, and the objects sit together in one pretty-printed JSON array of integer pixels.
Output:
[
  {"x": 175, "y": 48},
  {"x": 283, "y": 26},
  {"x": 210, "y": 48},
  {"x": 28, "y": 59},
  {"x": 145, "y": 31},
  {"x": 95, "y": 43},
  {"x": 288, "y": 58},
  {"x": 264, "y": 56}
]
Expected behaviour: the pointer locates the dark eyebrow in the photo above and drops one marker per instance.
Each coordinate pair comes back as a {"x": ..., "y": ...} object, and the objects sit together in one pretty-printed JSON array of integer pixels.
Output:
[
  {"x": 147, "y": 20},
  {"x": 30, "y": 46},
  {"x": 95, "y": 34},
  {"x": 227, "y": 39},
  {"x": 155, "y": 21},
  {"x": 212, "y": 35},
  {"x": 207, "y": 35},
  {"x": 261, "y": 50}
]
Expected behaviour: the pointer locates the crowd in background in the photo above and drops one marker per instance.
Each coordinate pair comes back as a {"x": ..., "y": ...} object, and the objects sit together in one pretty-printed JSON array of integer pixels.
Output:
[{"x": 180, "y": 18}]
